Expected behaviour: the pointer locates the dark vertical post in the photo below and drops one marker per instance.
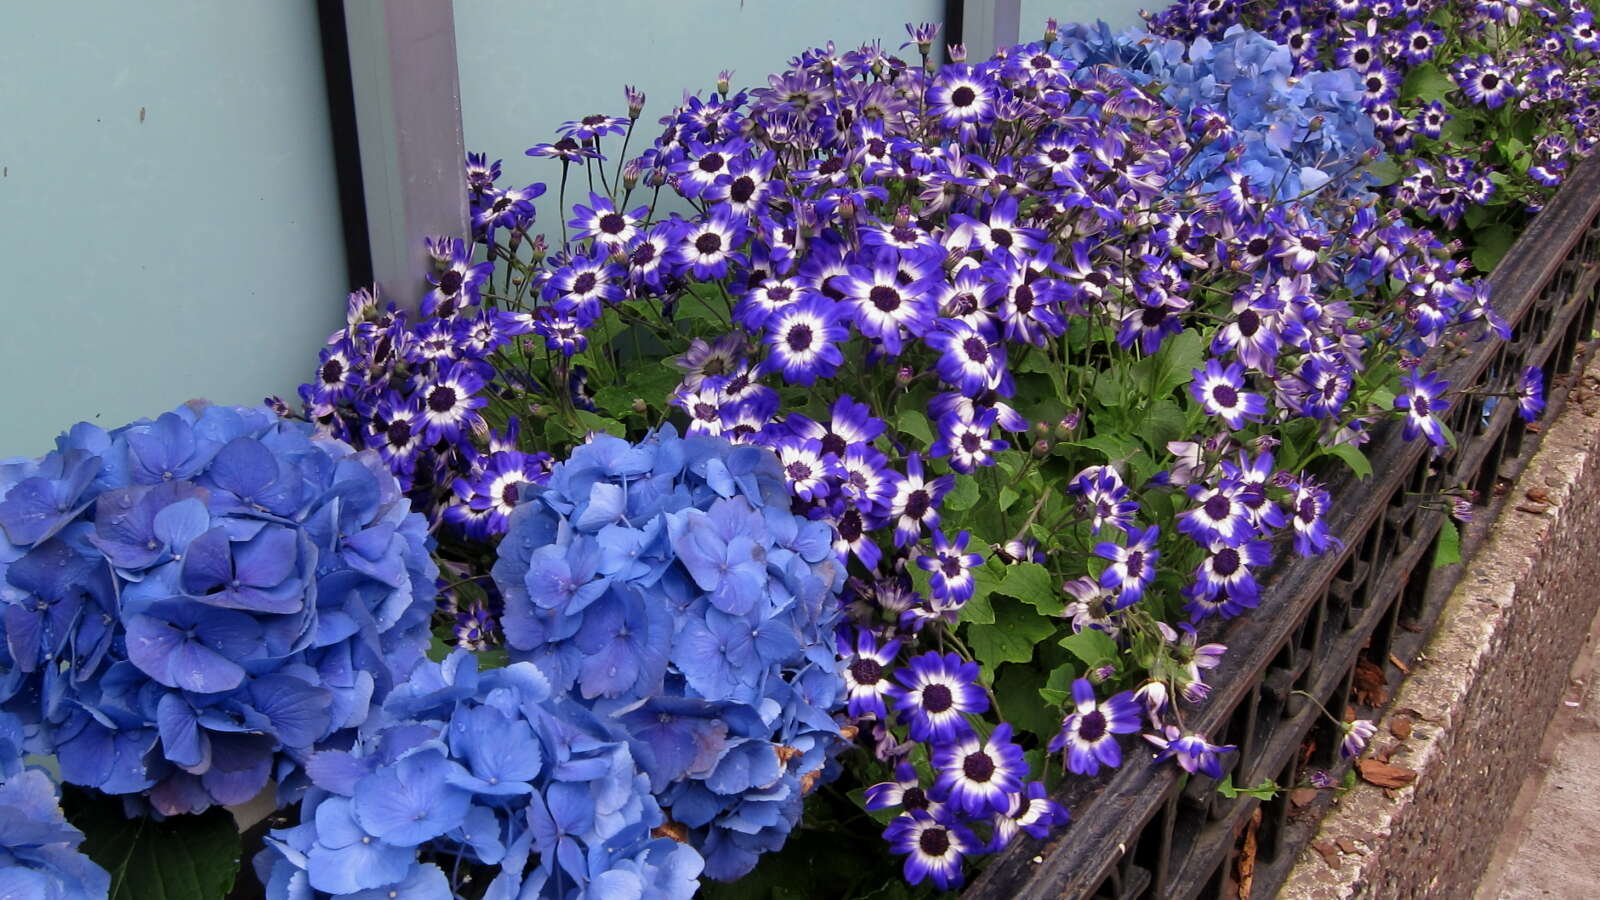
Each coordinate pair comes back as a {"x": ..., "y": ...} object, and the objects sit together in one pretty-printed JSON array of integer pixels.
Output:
[
  {"x": 988, "y": 25},
  {"x": 408, "y": 117}
]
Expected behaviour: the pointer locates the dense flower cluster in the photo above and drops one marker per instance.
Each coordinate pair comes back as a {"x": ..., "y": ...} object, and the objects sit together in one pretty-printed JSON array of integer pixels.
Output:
[
  {"x": 668, "y": 585},
  {"x": 1094, "y": 313},
  {"x": 191, "y": 604},
  {"x": 38, "y": 849},
  {"x": 467, "y": 777},
  {"x": 1485, "y": 97}
]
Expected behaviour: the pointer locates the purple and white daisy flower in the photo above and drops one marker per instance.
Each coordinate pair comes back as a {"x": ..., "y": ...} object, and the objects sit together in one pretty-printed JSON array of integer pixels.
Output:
[
  {"x": 905, "y": 791},
  {"x": 1105, "y": 496},
  {"x": 606, "y": 224},
  {"x": 455, "y": 285},
  {"x": 914, "y": 504},
  {"x": 972, "y": 359},
  {"x": 933, "y": 847},
  {"x": 1309, "y": 503},
  {"x": 807, "y": 469},
  {"x": 1227, "y": 569},
  {"x": 1220, "y": 391},
  {"x": 1132, "y": 567},
  {"x": 1530, "y": 393},
  {"x": 802, "y": 341},
  {"x": 1354, "y": 736},
  {"x": 866, "y": 676},
  {"x": 1423, "y": 401},
  {"x": 450, "y": 403},
  {"x": 1191, "y": 750},
  {"x": 1032, "y": 812},
  {"x": 961, "y": 96},
  {"x": 1088, "y": 733},
  {"x": 951, "y": 582},
  {"x": 939, "y": 691},
  {"x": 885, "y": 308},
  {"x": 978, "y": 777},
  {"x": 1218, "y": 514},
  {"x": 706, "y": 247},
  {"x": 966, "y": 440}
]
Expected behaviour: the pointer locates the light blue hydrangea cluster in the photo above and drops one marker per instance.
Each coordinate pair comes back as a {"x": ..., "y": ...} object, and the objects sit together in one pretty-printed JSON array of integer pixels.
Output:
[
  {"x": 189, "y": 605},
  {"x": 468, "y": 777},
  {"x": 38, "y": 850},
  {"x": 667, "y": 584},
  {"x": 1287, "y": 133}
]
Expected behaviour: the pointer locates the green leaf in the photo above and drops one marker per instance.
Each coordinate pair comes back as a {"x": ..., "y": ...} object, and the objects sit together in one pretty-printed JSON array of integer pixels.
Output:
[
  {"x": 1016, "y": 689},
  {"x": 1164, "y": 423},
  {"x": 1384, "y": 171},
  {"x": 1449, "y": 550},
  {"x": 1492, "y": 243},
  {"x": 1008, "y": 496},
  {"x": 181, "y": 858},
  {"x": 964, "y": 495},
  {"x": 1058, "y": 687},
  {"x": 1266, "y": 790},
  {"x": 1427, "y": 83},
  {"x": 592, "y": 422},
  {"x": 915, "y": 424},
  {"x": 1353, "y": 457},
  {"x": 976, "y": 610},
  {"x": 1110, "y": 388},
  {"x": 1172, "y": 367},
  {"x": 1016, "y": 629},
  {"x": 1090, "y": 645},
  {"x": 1116, "y": 447},
  {"x": 1032, "y": 584}
]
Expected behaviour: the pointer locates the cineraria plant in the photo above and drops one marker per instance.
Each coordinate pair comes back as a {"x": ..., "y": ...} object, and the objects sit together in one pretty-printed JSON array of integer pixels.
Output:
[
  {"x": 191, "y": 604},
  {"x": 1055, "y": 347},
  {"x": 1484, "y": 105}
]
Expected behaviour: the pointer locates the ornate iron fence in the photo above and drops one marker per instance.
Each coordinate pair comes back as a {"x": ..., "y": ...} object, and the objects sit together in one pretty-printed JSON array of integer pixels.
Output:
[{"x": 1142, "y": 832}]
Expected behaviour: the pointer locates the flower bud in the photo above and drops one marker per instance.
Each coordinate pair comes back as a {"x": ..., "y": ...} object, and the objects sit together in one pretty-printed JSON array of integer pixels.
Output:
[
  {"x": 1041, "y": 449},
  {"x": 639, "y": 406}
]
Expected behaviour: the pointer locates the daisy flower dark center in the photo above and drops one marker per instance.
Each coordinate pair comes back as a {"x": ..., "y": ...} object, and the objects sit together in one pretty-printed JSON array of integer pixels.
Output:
[
  {"x": 612, "y": 223},
  {"x": 977, "y": 349},
  {"x": 1249, "y": 322},
  {"x": 951, "y": 567},
  {"x": 743, "y": 188},
  {"x": 1153, "y": 316},
  {"x": 584, "y": 283},
  {"x": 1135, "y": 564},
  {"x": 705, "y": 412},
  {"x": 832, "y": 443},
  {"x": 442, "y": 398},
  {"x": 1218, "y": 507},
  {"x": 936, "y": 698},
  {"x": 884, "y": 298},
  {"x": 711, "y": 162},
  {"x": 1058, "y": 155},
  {"x": 934, "y": 842},
  {"x": 450, "y": 281},
  {"x": 398, "y": 434},
  {"x": 1092, "y": 726},
  {"x": 1258, "y": 246},
  {"x": 850, "y": 529},
  {"x": 643, "y": 254},
  {"x": 914, "y": 798},
  {"x": 1226, "y": 562},
  {"x": 1001, "y": 237},
  {"x": 799, "y": 471},
  {"x": 866, "y": 671},
  {"x": 1361, "y": 56},
  {"x": 710, "y": 242},
  {"x": 1225, "y": 396},
  {"x": 978, "y": 766},
  {"x": 799, "y": 338},
  {"x": 509, "y": 494},
  {"x": 917, "y": 504},
  {"x": 1419, "y": 405},
  {"x": 971, "y": 442},
  {"x": 1490, "y": 81},
  {"x": 963, "y": 96},
  {"x": 332, "y": 371}
]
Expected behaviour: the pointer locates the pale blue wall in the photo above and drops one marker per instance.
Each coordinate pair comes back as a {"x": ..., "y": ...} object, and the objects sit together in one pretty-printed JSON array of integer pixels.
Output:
[
  {"x": 1118, "y": 14},
  {"x": 197, "y": 253},
  {"x": 529, "y": 65}
]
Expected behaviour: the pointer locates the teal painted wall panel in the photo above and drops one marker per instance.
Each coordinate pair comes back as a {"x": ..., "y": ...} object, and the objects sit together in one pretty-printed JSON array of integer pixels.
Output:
[
  {"x": 526, "y": 67},
  {"x": 195, "y": 253},
  {"x": 1119, "y": 14}
]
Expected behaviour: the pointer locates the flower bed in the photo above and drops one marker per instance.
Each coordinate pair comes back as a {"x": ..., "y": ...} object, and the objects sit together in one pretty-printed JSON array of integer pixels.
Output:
[{"x": 961, "y": 426}]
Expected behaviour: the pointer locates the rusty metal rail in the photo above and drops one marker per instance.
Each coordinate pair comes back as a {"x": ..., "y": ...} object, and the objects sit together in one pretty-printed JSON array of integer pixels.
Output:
[{"x": 1142, "y": 833}]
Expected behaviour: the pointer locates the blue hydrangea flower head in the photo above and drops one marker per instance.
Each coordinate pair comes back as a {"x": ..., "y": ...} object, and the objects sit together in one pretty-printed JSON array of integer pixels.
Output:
[
  {"x": 191, "y": 604},
  {"x": 667, "y": 584}
]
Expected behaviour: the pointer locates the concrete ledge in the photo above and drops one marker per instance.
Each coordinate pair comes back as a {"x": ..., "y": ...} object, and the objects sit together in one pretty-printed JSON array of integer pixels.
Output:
[{"x": 1480, "y": 697}]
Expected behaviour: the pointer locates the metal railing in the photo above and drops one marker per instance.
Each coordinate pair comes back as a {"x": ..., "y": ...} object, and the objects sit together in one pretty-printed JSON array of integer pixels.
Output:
[{"x": 1143, "y": 832}]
